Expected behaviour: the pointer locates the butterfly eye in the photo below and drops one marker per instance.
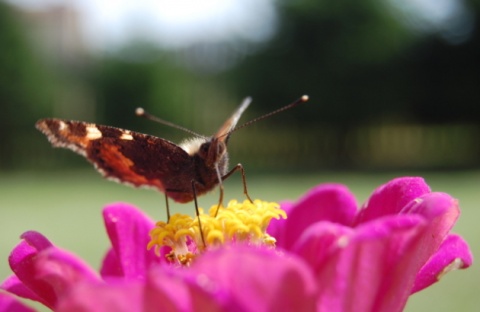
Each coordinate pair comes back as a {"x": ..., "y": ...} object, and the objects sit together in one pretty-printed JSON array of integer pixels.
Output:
[{"x": 204, "y": 149}]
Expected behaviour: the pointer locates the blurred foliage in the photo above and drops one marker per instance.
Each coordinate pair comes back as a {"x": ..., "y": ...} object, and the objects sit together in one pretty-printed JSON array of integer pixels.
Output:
[
  {"x": 143, "y": 76},
  {"x": 337, "y": 52},
  {"x": 360, "y": 64},
  {"x": 121, "y": 84},
  {"x": 363, "y": 70},
  {"x": 26, "y": 87},
  {"x": 382, "y": 95}
]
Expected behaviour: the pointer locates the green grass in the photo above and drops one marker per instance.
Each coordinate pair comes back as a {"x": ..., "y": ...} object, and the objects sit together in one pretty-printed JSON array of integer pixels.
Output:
[{"x": 66, "y": 207}]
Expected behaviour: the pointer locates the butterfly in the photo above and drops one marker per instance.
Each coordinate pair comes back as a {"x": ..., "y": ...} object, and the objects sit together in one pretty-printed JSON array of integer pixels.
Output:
[{"x": 182, "y": 172}]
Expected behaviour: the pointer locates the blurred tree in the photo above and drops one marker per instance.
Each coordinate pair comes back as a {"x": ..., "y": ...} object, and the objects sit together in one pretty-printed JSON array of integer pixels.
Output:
[
  {"x": 25, "y": 89},
  {"x": 144, "y": 76},
  {"x": 444, "y": 80},
  {"x": 357, "y": 61},
  {"x": 361, "y": 65},
  {"x": 340, "y": 53}
]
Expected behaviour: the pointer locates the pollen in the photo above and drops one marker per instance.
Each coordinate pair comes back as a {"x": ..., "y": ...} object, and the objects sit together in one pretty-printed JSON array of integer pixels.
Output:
[{"x": 237, "y": 223}]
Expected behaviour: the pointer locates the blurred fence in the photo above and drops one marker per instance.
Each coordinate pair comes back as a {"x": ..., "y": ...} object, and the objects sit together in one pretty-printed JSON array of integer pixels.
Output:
[
  {"x": 368, "y": 147},
  {"x": 421, "y": 78},
  {"x": 417, "y": 146},
  {"x": 264, "y": 148}
]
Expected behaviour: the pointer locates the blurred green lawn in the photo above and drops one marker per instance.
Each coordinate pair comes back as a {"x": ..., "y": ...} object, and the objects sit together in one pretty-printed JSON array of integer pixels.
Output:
[{"x": 66, "y": 207}]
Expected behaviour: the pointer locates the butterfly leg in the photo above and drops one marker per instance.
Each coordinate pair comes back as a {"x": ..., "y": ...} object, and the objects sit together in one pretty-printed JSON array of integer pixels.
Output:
[
  {"x": 244, "y": 179},
  {"x": 197, "y": 212},
  {"x": 168, "y": 208},
  {"x": 220, "y": 184}
]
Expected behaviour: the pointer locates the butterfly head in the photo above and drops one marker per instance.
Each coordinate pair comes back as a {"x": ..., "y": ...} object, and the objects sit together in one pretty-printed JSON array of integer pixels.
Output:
[
  {"x": 210, "y": 150},
  {"x": 213, "y": 151}
]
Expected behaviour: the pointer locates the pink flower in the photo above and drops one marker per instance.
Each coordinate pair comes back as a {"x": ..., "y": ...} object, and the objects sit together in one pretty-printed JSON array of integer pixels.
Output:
[
  {"x": 8, "y": 302},
  {"x": 221, "y": 280},
  {"x": 373, "y": 259},
  {"x": 45, "y": 273},
  {"x": 330, "y": 256}
]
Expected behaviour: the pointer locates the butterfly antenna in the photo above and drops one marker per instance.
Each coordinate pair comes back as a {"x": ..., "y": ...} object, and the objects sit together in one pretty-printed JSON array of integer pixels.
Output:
[
  {"x": 142, "y": 113},
  {"x": 301, "y": 100}
]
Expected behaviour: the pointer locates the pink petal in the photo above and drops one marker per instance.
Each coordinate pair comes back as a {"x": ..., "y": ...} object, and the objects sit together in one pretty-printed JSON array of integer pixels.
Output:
[
  {"x": 15, "y": 286},
  {"x": 375, "y": 269},
  {"x": 45, "y": 269},
  {"x": 92, "y": 297},
  {"x": 205, "y": 295},
  {"x": 319, "y": 242},
  {"x": 258, "y": 279},
  {"x": 111, "y": 266},
  {"x": 128, "y": 229},
  {"x": 441, "y": 212},
  {"x": 37, "y": 240},
  {"x": 276, "y": 227},
  {"x": 185, "y": 290},
  {"x": 8, "y": 303},
  {"x": 439, "y": 208},
  {"x": 23, "y": 260},
  {"x": 391, "y": 197},
  {"x": 326, "y": 202},
  {"x": 63, "y": 270},
  {"x": 166, "y": 288},
  {"x": 453, "y": 253}
]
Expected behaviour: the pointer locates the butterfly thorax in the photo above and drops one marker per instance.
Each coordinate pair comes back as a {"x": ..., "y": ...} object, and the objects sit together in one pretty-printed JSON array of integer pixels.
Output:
[
  {"x": 207, "y": 154},
  {"x": 211, "y": 155},
  {"x": 212, "y": 152}
]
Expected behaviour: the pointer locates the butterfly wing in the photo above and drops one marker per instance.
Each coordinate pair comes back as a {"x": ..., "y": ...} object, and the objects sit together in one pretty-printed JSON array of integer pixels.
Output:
[
  {"x": 224, "y": 132},
  {"x": 126, "y": 156}
]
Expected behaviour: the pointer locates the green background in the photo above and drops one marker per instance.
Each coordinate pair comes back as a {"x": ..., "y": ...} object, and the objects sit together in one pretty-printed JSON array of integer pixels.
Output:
[
  {"x": 387, "y": 98},
  {"x": 66, "y": 207}
]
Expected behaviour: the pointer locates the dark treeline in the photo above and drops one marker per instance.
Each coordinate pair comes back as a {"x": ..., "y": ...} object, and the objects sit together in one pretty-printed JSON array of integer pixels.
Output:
[{"x": 382, "y": 95}]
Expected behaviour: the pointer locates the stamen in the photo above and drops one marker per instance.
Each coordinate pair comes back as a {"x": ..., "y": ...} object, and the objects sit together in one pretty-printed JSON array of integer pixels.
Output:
[{"x": 240, "y": 222}]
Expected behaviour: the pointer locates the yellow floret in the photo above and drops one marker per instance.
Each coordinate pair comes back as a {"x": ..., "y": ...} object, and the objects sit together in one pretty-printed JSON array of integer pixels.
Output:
[{"x": 239, "y": 222}]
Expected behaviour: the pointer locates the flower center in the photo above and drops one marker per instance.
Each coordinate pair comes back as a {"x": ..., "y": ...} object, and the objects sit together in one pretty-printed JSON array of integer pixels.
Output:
[{"x": 239, "y": 222}]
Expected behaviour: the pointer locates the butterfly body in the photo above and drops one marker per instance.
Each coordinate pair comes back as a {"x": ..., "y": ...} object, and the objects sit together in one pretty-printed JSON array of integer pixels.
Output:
[
  {"x": 143, "y": 160},
  {"x": 182, "y": 172}
]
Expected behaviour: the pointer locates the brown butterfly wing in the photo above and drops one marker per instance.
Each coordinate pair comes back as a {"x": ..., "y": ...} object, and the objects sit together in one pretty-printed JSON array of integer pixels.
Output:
[
  {"x": 224, "y": 132},
  {"x": 126, "y": 156}
]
